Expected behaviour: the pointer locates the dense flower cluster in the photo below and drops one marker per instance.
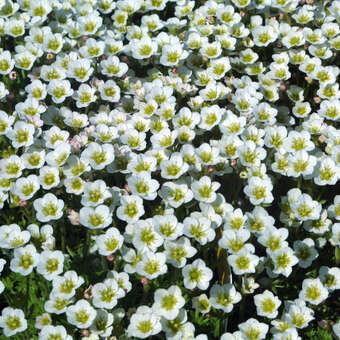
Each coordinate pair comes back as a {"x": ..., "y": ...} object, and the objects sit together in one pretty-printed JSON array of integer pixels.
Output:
[{"x": 169, "y": 168}]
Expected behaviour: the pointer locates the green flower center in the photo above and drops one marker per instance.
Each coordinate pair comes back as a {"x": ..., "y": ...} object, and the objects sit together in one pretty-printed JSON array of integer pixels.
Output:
[
  {"x": 96, "y": 219},
  {"x": 169, "y": 302},
  {"x": 243, "y": 262},
  {"x": 26, "y": 260},
  {"x": 131, "y": 209},
  {"x": 52, "y": 265},
  {"x": 82, "y": 316},
  {"x": 107, "y": 295},
  {"x": 151, "y": 267},
  {"x": 50, "y": 209},
  {"x": 13, "y": 322},
  {"x": 145, "y": 326}
]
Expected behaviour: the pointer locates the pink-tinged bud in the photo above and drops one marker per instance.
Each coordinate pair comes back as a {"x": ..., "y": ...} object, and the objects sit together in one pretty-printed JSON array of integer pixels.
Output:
[
  {"x": 84, "y": 37},
  {"x": 321, "y": 139},
  {"x": 144, "y": 281},
  {"x": 308, "y": 80},
  {"x": 85, "y": 332},
  {"x": 36, "y": 121},
  {"x": 13, "y": 75},
  {"x": 127, "y": 188},
  {"x": 11, "y": 96},
  {"x": 283, "y": 87},
  {"x": 73, "y": 217},
  {"x": 22, "y": 203},
  {"x": 175, "y": 70},
  {"x": 49, "y": 56},
  {"x": 110, "y": 258},
  {"x": 317, "y": 100},
  {"x": 89, "y": 130},
  {"x": 125, "y": 59},
  {"x": 75, "y": 145},
  {"x": 88, "y": 293},
  {"x": 211, "y": 168},
  {"x": 233, "y": 162},
  {"x": 242, "y": 13}
]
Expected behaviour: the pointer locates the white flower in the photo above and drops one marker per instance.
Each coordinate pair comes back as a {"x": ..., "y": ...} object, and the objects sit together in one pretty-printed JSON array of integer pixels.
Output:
[
  {"x": 172, "y": 54},
  {"x": 297, "y": 141},
  {"x": 168, "y": 302},
  {"x": 336, "y": 329},
  {"x": 198, "y": 227},
  {"x": 81, "y": 314},
  {"x": 145, "y": 237},
  {"x": 109, "y": 91},
  {"x": 6, "y": 63},
  {"x": 204, "y": 189},
  {"x": 334, "y": 209},
  {"x": 92, "y": 48},
  {"x": 65, "y": 286},
  {"x": 299, "y": 315},
  {"x": 259, "y": 190},
  {"x": 235, "y": 240},
  {"x": 56, "y": 304},
  {"x": 178, "y": 251},
  {"x": 305, "y": 208},
  {"x": 151, "y": 265},
  {"x": 327, "y": 172},
  {"x": 143, "y": 48},
  {"x": 5, "y": 122},
  {"x": 176, "y": 193},
  {"x": 313, "y": 291},
  {"x": 267, "y": 304},
  {"x": 95, "y": 193},
  {"x": 84, "y": 96},
  {"x": 49, "y": 177},
  {"x": 98, "y": 156},
  {"x": 52, "y": 43},
  {"x": 112, "y": 67},
  {"x": 48, "y": 332},
  {"x": 234, "y": 219},
  {"x": 29, "y": 109},
  {"x": 49, "y": 207},
  {"x": 143, "y": 185},
  {"x": 95, "y": 218},
  {"x": 336, "y": 234},
  {"x": 300, "y": 163},
  {"x": 12, "y": 321},
  {"x": 106, "y": 294},
  {"x": 21, "y": 134},
  {"x": 330, "y": 277},
  {"x": 197, "y": 275},
  {"x": 24, "y": 260},
  {"x": 283, "y": 260},
  {"x": 168, "y": 226},
  {"x": 50, "y": 264},
  {"x": 211, "y": 50},
  {"x": 131, "y": 208},
  {"x": 264, "y": 35},
  {"x": 80, "y": 70},
  {"x": 250, "y": 154},
  {"x": 243, "y": 262},
  {"x": 26, "y": 187},
  {"x": 144, "y": 323},
  {"x": 253, "y": 329},
  {"x": 109, "y": 242},
  {"x": 305, "y": 252},
  {"x": 224, "y": 297},
  {"x": 173, "y": 167}
]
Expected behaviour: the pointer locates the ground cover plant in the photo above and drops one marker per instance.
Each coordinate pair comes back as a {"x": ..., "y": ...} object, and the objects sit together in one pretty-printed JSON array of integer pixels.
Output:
[{"x": 169, "y": 169}]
